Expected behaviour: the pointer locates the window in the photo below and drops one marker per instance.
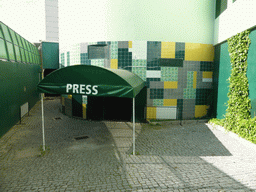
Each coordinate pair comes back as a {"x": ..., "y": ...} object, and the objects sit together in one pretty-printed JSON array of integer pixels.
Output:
[
  {"x": 6, "y": 33},
  {"x": 19, "y": 40},
  {"x": 3, "y": 53},
  {"x": 14, "y": 40},
  {"x": 17, "y": 51},
  {"x": 27, "y": 56},
  {"x": 10, "y": 51},
  {"x": 221, "y": 5},
  {"x": 1, "y": 33},
  {"x": 23, "y": 55}
]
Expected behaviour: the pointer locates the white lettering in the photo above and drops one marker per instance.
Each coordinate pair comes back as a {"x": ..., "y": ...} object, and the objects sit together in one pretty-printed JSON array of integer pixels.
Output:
[
  {"x": 82, "y": 89},
  {"x": 75, "y": 88},
  {"x": 88, "y": 88},
  {"x": 94, "y": 88},
  {"x": 68, "y": 87}
]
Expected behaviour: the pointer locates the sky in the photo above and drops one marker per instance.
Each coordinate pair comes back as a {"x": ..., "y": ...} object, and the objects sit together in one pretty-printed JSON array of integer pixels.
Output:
[{"x": 25, "y": 17}]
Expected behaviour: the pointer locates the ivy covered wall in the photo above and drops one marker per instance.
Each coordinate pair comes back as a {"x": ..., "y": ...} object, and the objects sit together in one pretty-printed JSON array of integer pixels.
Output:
[
  {"x": 251, "y": 72},
  {"x": 222, "y": 73}
]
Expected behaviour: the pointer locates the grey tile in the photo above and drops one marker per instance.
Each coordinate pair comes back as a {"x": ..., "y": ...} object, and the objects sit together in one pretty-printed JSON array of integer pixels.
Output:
[
  {"x": 107, "y": 63},
  {"x": 182, "y": 78},
  {"x": 191, "y": 65},
  {"x": 188, "y": 108},
  {"x": 173, "y": 93},
  {"x": 156, "y": 84},
  {"x": 123, "y": 44},
  {"x": 150, "y": 102}
]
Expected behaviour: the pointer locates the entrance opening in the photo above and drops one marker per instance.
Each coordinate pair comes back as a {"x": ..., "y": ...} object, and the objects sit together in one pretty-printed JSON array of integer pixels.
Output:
[
  {"x": 109, "y": 108},
  {"x": 117, "y": 108}
]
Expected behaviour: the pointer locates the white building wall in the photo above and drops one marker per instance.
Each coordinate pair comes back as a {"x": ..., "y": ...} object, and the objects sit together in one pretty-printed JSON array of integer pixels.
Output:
[
  {"x": 238, "y": 16},
  {"x": 136, "y": 20}
]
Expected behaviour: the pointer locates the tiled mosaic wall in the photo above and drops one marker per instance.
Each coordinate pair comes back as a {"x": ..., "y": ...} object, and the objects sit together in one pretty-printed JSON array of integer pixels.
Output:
[{"x": 178, "y": 75}]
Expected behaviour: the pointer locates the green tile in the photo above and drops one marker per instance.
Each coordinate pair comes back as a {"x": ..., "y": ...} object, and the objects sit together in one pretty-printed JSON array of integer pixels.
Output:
[
  {"x": 97, "y": 62},
  {"x": 158, "y": 102},
  {"x": 189, "y": 93},
  {"x": 140, "y": 71},
  {"x": 169, "y": 73}
]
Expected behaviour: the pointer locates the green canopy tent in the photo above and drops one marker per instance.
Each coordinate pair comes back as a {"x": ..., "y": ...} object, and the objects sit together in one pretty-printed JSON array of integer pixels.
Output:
[{"x": 92, "y": 81}]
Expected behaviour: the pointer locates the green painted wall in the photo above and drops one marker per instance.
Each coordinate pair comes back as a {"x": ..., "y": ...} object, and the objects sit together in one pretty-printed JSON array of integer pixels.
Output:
[
  {"x": 251, "y": 71},
  {"x": 224, "y": 74},
  {"x": 50, "y": 55},
  {"x": 216, "y": 65},
  {"x": 18, "y": 83}
]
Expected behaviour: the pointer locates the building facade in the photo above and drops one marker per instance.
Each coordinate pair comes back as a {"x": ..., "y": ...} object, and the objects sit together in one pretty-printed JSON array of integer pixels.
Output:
[
  {"x": 169, "y": 44},
  {"x": 20, "y": 72},
  {"x": 232, "y": 17}
]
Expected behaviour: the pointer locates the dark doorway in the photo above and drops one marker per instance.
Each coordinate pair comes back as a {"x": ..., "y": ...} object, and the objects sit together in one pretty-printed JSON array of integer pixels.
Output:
[
  {"x": 109, "y": 108},
  {"x": 117, "y": 108}
]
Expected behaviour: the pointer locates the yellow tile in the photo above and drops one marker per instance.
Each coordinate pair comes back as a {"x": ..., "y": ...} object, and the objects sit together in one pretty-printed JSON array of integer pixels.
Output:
[
  {"x": 170, "y": 85},
  {"x": 207, "y": 74},
  {"x": 151, "y": 113},
  {"x": 201, "y": 110},
  {"x": 84, "y": 111},
  {"x": 170, "y": 102},
  {"x": 130, "y": 44},
  {"x": 114, "y": 64},
  {"x": 194, "y": 79},
  {"x": 168, "y": 50},
  {"x": 199, "y": 52},
  {"x": 70, "y": 96},
  {"x": 63, "y": 101}
]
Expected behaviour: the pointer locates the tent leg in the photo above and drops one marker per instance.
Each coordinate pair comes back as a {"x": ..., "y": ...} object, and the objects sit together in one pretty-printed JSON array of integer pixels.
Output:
[
  {"x": 42, "y": 104},
  {"x": 133, "y": 119}
]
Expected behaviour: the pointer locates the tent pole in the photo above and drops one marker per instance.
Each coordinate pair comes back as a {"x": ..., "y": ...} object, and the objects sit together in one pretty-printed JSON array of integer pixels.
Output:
[
  {"x": 133, "y": 118},
  {"x": 42, "y": 104}
]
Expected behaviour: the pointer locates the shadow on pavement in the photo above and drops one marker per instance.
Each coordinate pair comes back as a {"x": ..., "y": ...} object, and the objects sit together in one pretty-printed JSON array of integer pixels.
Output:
[{"x": 194, "y": 139}]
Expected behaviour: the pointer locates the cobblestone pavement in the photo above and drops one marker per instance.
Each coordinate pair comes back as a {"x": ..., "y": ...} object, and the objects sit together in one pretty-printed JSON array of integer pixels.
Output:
[{"x": 192, "y": 157}]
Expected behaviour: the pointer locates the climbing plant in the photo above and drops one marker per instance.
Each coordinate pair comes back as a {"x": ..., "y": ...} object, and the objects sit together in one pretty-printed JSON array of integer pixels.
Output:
[
  {"x": 239, "y": 104},
  {"x": 237, "y": 118}
]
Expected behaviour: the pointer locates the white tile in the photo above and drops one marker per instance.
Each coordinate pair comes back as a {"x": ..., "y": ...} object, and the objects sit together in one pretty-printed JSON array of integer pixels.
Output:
[
  {"x": 139, "y": 49},
  {"x": 84, "y": 47},
  {"x": 208, "y": 80},
  {"x": 153, "y": 74},
  {"x": 166, "y": 112}
]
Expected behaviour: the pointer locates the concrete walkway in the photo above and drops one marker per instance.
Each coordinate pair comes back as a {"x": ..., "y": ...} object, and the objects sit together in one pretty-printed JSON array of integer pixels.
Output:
[{"x": 192, "y": 157}]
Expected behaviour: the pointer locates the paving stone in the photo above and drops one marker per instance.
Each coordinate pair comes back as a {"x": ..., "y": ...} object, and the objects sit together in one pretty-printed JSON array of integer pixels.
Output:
[{"x": 171, "y": 157}]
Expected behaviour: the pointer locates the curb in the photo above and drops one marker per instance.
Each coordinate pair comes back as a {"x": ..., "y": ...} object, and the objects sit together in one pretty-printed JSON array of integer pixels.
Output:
[{"x": 233, "y": 135}]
